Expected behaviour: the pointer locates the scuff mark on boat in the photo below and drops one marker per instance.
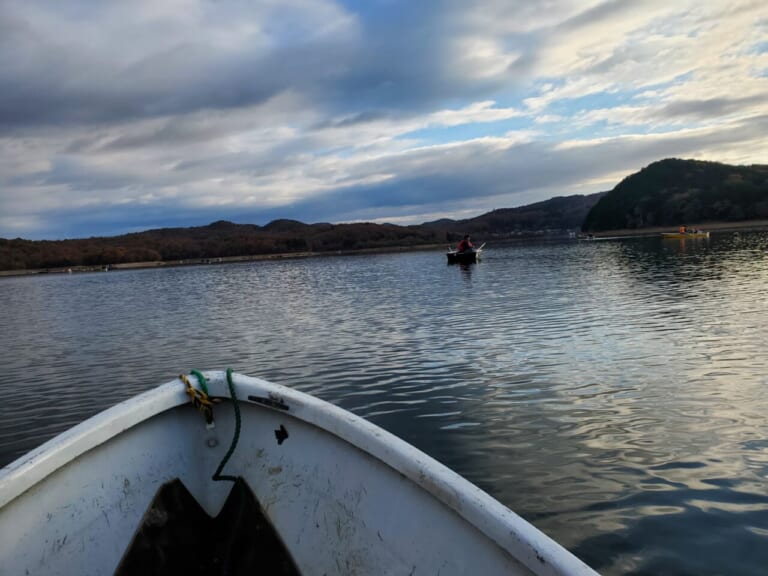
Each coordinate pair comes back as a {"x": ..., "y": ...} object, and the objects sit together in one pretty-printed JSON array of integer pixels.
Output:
[{"x": 59, "y": 544}]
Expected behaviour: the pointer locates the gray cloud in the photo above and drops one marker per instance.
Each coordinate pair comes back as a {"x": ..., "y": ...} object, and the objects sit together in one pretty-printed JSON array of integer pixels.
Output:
[
  {"x": 599, "y": 12},
  {"x": 51, "y": 76},
  {"x": 709, "y": 108}
]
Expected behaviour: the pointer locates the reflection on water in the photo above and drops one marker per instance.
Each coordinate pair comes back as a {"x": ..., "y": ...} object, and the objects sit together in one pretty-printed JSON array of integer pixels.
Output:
[{"x": 612, "y": 392}]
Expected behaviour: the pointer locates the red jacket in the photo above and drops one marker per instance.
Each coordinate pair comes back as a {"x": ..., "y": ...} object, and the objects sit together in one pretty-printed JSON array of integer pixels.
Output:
[{"x": 465, "y": 245}]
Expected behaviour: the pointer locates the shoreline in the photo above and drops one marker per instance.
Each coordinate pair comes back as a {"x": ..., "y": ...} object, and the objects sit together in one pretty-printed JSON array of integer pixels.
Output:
[
  {"x": 707, "y": 226},
  {"x": 621, "y": 233},
  {"x": 212, "y": 261}
]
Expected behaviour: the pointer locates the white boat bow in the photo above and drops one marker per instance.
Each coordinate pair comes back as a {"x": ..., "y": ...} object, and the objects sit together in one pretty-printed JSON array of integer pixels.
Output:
[{"x": 344, "y": 496}]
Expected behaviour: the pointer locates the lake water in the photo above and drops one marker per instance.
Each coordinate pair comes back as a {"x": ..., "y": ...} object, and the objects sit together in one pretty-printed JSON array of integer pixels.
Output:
[{"x": 614, "y": 393}]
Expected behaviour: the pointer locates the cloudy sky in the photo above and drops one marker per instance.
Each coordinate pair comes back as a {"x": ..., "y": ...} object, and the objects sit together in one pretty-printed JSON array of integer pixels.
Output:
[{"x": 122, "y": 116}]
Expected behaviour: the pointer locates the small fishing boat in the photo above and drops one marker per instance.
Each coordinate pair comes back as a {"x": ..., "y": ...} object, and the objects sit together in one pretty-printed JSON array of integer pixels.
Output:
[
  {"x": 465, "y": 257},
  {"x": 265, "y": 479},
  {"x": 692, "y": 234}
]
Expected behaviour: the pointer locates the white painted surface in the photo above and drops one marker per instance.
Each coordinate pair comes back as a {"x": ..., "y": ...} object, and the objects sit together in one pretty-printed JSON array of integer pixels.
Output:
[{"x": 346, "y": 496}]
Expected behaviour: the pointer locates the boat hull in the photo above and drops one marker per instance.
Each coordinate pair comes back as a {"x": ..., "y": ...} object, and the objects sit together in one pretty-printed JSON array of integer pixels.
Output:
[
  {"x": 344, "y": 495},
  {"x": 463, "y": 257}
]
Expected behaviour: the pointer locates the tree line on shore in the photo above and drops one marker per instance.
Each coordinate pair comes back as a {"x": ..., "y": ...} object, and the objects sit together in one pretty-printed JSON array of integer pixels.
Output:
[
  {"x": 670, "y": 192},
  {"x": 217, "y": 240}
]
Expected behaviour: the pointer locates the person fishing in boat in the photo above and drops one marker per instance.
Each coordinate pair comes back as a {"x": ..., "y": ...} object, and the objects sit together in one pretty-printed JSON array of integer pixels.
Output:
[{"x": 466, "y": 244}]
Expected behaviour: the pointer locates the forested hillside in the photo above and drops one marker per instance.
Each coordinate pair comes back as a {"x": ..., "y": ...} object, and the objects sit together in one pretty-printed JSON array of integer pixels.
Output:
[
  {"x": 220, "y": 239},
  {"x": 557, "y": 216},
  {"x": 673, "y": 192},
  {"x": 226, "y": 239}
]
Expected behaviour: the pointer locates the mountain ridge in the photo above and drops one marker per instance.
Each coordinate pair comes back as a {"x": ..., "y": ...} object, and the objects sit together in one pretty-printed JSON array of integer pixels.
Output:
[{"x": 668, "y": 192}]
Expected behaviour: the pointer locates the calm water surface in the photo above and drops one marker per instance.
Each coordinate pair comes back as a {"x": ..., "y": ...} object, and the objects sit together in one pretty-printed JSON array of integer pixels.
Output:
[{"x": 614, "y": 393}]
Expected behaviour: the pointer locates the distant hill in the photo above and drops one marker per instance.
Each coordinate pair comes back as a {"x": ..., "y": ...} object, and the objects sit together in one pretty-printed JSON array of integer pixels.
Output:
[
  {"x": 673, "y": 192},
  {"x": 217, "y": 240},
  {"x": 226, "y": 239},
  {"x": 555, "y": 216}
]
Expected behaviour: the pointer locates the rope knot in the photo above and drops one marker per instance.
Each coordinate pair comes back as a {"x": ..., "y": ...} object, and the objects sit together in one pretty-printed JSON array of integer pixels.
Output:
[{"x": 199, "y": 398}]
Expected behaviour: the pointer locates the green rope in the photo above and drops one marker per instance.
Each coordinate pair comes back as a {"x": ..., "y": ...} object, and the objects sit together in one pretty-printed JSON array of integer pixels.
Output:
[
  {"x": 201, "y": 380},
  {"x": 217, "y": 475}
]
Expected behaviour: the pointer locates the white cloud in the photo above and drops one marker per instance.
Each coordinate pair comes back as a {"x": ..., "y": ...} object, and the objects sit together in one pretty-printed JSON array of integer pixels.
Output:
[
  {"x": 481, "y": 57},
  {"x": 477, "y": 112}
]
